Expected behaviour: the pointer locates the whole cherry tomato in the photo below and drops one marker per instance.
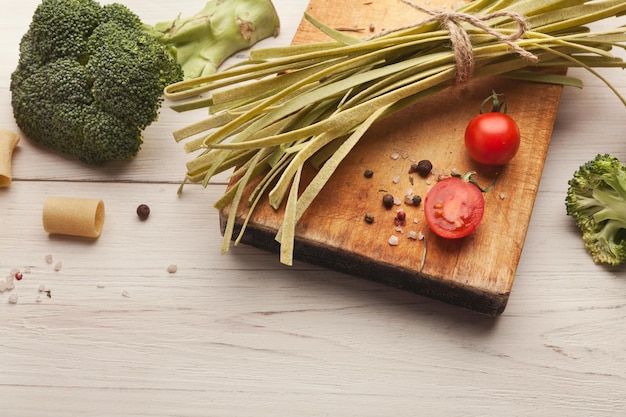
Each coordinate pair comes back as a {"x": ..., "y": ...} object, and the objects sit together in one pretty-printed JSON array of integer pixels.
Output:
[
  {"x": 492, "y": 138},
  {"x": 454, "y": 207}
]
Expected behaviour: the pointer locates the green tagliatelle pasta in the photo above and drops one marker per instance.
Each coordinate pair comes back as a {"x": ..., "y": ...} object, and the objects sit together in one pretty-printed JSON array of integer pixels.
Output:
[{"x": 312, "y": 103}]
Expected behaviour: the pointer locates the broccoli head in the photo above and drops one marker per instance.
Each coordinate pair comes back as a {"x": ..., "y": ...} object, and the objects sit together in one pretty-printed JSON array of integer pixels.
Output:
[
  {"x": 596, "y": 199},
  {"x": 89, "y": 80}
]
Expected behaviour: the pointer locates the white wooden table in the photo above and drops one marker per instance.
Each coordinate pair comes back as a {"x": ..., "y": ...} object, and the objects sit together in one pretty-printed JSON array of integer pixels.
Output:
[{"x": 242, "y": 335}]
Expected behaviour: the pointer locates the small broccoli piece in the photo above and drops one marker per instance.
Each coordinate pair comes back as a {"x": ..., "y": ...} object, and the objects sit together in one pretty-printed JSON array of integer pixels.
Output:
[
  {"x": 89, "y": 80},
  {"x": 223, "y": 27},
  {"x": 596, "y": 199}
]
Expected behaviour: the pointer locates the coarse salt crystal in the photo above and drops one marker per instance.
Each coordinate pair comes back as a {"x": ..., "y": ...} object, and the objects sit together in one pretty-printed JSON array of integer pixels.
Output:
[
  {"x": 10, "y": 282},
  {"x": 396, "y": 179},
  {"x": 41, "y": 288},
  {"x": 395, "y": 156},
  {"x": 3, "y": 286},
  {"x": 13, "y": 298},
  {"x": 420, "y": 236},
  {"x": 125, "y": 294},
  {"x": 408, "y": 196},
  {"x": 412, "y": 235},
  {"x": 393, "y": 240},
  {"x": 58, "y": 266},
  {"x": 49, "y": 259},
  {"x": 172, "y": 269},
  {"x": 38, "y": 299},
  {"x": 397, "y": 201}
]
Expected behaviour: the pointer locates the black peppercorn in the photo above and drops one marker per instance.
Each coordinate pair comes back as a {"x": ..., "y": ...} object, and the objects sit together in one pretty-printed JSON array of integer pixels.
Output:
[
  {"x": 424, "y": 167},
  {"x": 388, "y": 201},
  {"x": 143, "y": 211},
  {"x": 369, "y": 219},
  {"x": 368, "y": 173},
  {"x": 417, "y": 200}
]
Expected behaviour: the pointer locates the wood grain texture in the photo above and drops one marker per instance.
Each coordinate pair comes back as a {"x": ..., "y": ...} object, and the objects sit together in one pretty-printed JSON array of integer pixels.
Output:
[
  {"x": 476, "y": 272},
  {"x": 241, "y": 335}
]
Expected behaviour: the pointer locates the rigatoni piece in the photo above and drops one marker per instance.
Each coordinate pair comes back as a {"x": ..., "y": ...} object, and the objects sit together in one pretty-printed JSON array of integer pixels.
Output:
[
  {"x": 73, "y": 216},
  {"x": 8, "y": 141}
]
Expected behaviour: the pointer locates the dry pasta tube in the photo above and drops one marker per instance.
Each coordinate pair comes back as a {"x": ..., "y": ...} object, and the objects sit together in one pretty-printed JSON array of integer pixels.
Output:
[
  {"x": 73, "y": 216},
  {"x": 8, "y": 141}
]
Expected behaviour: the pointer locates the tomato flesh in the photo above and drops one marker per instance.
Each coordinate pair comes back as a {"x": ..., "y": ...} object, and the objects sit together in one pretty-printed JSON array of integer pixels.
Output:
[
  {"x": 454, "y": 208},
  {"x": 492, "y": 138}
]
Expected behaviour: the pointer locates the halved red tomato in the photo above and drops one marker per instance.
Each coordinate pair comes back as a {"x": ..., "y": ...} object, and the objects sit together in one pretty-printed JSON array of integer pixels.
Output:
[{"x": 454, "y": 207}]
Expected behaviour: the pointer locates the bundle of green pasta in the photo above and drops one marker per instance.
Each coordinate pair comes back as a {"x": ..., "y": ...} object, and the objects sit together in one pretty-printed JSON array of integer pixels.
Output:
[{"x": 287, "y": 106}]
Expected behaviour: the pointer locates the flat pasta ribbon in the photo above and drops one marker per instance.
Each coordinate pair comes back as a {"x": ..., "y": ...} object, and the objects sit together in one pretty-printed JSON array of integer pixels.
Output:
[{"x": 460, "y": 39}]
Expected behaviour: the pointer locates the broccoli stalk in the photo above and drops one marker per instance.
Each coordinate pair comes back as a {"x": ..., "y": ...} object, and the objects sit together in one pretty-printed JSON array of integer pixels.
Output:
[
  {"x": 90, "y": 78},
  {"x": 202, "y": 42},
  {"x": 596, "y": 199}
]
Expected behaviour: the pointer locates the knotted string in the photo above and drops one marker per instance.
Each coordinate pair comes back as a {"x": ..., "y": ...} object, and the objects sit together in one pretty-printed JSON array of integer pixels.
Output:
[{"x": 460, "y": 39}]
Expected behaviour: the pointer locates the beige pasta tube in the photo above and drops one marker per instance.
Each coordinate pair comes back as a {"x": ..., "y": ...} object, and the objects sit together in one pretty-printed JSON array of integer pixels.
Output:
[
  {"x": 73, "y": 216},
  {"x": 8, "y": 141}
]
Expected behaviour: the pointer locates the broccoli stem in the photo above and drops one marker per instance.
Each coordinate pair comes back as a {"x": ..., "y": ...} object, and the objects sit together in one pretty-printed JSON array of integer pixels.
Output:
[
  {"x": 202, "y": 42},
  {"x": 611, "y": 204}
]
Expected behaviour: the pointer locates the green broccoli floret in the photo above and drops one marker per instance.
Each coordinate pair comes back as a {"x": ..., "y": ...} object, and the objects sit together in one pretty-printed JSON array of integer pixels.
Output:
[
  {"x": 202, "y": 42},
  {"x": 89, "y": 80},
  {"x": 596, "y": 199}
]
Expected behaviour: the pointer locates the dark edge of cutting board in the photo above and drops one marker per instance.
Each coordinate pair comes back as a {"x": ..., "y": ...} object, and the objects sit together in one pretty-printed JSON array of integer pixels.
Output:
[{"x": 346, "y": 262}]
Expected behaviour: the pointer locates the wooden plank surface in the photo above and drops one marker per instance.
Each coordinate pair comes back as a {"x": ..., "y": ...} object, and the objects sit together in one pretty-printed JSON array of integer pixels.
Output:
[
  {"x": 241, "y": 335},
  {"x": 476, "y": 272}
]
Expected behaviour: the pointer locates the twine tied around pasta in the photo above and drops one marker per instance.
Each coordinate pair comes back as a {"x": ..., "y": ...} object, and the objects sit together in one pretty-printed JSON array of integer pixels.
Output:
[{"x": 460, "y": 39}]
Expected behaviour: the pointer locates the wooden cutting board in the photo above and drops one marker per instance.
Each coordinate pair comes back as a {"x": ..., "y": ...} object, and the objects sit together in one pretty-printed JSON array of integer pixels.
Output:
[{"x": 476, "y": 272}]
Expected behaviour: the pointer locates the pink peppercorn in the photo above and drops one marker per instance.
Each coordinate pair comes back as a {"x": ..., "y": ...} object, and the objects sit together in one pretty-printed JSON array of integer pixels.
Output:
[{"x": 400, "y": 219}]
